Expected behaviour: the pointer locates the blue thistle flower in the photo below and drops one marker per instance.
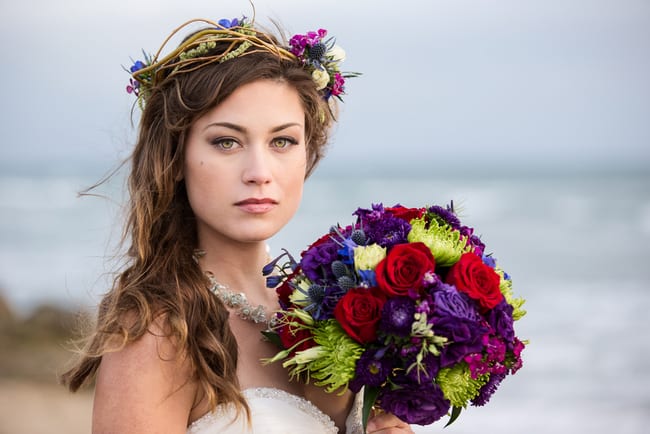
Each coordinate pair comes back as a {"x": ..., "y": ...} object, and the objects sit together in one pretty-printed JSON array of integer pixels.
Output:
[
  {"x": 346, "y": 282},
  {"x": 340, "y": 269},
  {"x": 359, "y": 237},
  {"x": 316, "y": 52},
  {"x": 316, "y": 294}
]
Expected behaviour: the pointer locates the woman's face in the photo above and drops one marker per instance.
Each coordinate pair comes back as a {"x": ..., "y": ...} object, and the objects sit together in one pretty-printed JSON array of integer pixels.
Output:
[{"x": 245, "y": 163}]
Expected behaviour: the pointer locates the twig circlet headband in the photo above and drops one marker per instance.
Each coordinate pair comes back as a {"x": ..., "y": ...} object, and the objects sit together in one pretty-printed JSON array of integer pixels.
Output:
[{"x": 319, "y": 56}]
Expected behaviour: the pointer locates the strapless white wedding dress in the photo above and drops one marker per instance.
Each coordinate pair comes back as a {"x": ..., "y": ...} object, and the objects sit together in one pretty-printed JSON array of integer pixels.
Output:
[{"x": 275, "y": 411}]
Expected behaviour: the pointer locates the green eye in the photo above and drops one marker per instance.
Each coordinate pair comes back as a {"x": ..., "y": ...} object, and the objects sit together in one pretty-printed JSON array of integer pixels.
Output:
[
  {"x": 225, "y": 144},
  {"x": 283, "y": 142}
]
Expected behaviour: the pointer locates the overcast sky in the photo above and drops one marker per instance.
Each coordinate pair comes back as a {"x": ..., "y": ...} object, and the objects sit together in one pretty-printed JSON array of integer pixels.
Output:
[{"x": 450, "y": 84}]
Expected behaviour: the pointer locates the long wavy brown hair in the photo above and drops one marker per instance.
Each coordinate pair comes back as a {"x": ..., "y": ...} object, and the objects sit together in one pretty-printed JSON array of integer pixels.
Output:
[{"x": 160, "y": 279}]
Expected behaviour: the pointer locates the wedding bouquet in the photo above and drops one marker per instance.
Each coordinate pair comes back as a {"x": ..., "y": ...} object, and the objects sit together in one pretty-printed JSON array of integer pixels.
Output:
[{"x": 404, "y": 304}]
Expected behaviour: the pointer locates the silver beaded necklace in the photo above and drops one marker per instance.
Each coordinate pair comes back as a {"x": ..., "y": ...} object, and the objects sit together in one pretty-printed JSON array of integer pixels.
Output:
[{"x": 237, "y": 301}]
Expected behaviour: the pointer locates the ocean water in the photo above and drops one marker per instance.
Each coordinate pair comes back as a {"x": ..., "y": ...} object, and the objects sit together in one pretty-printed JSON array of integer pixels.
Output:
[{"x": 577, "y": 248}]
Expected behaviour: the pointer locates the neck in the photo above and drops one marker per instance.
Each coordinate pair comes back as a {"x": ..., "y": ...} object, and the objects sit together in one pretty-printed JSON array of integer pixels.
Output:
[{"x": 238, "y": 267}]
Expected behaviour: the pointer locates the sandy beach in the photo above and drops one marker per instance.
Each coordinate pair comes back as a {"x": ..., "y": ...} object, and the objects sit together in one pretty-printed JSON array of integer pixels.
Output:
[
  {"x": 34, "y": 351},
  {"x": 39, "y": 408}
]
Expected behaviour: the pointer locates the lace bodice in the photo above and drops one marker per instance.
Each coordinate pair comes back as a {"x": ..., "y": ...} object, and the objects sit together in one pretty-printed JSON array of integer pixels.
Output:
[{"x": 275, "y": 411}]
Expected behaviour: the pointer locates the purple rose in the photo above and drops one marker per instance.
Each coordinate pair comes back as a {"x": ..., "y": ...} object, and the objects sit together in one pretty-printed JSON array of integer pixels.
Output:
[
  {"x": 415, "y": 403},
  {"x": 449, "y": 302}
]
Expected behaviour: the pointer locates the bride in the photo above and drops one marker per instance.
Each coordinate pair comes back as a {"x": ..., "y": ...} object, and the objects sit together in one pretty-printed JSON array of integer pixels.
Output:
[{"x": 232, "y": 124}]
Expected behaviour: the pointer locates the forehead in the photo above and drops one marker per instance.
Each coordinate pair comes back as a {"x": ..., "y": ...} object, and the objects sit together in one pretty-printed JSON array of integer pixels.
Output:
[{"x": 262, "y": 102}]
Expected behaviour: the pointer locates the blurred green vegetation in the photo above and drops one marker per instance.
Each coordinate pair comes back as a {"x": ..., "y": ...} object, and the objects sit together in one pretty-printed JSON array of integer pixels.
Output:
[{"x": 36, "y": 346}]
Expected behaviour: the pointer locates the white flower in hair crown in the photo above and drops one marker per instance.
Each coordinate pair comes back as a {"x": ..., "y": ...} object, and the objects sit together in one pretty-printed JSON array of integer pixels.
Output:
[{"x": 319, "y": 55}]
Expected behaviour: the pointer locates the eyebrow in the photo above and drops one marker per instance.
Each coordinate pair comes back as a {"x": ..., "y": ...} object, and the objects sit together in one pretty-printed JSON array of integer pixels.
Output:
[{"x": 241, "y": 129}]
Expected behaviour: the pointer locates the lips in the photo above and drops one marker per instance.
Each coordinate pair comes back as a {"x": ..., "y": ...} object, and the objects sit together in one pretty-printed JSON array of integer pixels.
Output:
[{"x": 256, "y": 205}]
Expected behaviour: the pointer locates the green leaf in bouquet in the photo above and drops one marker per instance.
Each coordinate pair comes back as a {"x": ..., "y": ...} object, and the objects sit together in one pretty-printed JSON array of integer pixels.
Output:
[
  {"x": 272, "y": 337},
  {"x": 455, "y": 412},
  {"x": 369, "y": 397}
]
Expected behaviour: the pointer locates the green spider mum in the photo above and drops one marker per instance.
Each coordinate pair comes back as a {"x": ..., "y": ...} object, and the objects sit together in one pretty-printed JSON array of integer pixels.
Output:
[
  {"x": 458, "y": 385},
  {"x": 332, "y": 362},
  {"x": 445, "y": 243}
]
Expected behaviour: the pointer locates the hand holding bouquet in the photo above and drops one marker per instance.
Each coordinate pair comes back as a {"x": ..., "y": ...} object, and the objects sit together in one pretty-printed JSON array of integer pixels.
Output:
[{"x": 404, "y": 304}]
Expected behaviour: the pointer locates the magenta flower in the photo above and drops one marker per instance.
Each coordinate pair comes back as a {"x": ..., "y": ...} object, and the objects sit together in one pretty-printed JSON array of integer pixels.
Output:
[
  {"x": 133, "y": 87},
  {"x": 339, "y": 83},
  {"x": 299, "y": 43}
]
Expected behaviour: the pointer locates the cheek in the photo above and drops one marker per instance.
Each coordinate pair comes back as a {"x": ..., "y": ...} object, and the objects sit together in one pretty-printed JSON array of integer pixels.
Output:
[
  {"x": 203, "y": 183},
  {"x": 293, "y": 181},
  {"x": 293, "y": 197}
]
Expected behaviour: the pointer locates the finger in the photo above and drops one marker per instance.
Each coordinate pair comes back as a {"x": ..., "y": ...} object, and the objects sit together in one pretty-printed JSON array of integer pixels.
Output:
[{"x": 385, "y": 423}]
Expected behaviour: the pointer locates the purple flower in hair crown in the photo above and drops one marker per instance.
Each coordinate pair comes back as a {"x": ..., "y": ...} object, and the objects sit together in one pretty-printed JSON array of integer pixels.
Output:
[{"x": 322, "y": 57}]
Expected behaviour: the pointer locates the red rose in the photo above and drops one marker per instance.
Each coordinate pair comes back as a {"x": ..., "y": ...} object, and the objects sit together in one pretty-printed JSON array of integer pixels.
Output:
[
  {"x": 284, "y": 291},
  {"x": 402, "y": 270},
  {"x": 290, "y": 336},
  {"x": 358, "y": 312},
  {"x": 406, "y": 214},
  {"x": 471, "y": 276}
]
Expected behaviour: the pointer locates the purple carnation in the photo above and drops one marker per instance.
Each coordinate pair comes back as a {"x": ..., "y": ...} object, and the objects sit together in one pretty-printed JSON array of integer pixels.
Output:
[
  {"x": 397, "y": 316},
  {"x": 376, "y": 213},
  {"x": 447, "y": 215},
  {"x": 415, "y": 403},
  {"x": 477, "y": 244},
  {"x": 372, "y": 370},
  {"x": 382, "y": 227},
  {"x": 488, "y": 389},
  {"x": 389, "y": 231},
  {"x": 317, "y": 260},
  {"x": 449, "y": 302},
  {"x": 500, "y": 319}
]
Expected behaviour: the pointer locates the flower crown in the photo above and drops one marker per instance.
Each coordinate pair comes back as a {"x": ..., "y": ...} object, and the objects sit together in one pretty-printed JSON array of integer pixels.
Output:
[{"x": 319, "y": 56}]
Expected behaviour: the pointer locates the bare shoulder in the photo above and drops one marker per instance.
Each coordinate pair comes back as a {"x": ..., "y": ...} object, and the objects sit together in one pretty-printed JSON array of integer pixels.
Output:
[{"x": 146, "y": 387}]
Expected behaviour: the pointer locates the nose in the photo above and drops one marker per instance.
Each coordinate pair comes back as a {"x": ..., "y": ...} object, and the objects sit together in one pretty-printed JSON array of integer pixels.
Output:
[{"x": 257, "y": 167}]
